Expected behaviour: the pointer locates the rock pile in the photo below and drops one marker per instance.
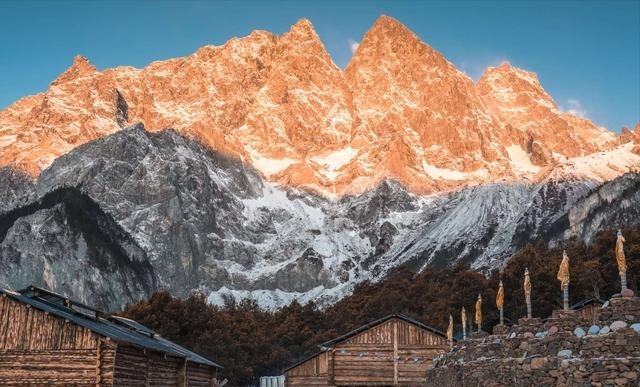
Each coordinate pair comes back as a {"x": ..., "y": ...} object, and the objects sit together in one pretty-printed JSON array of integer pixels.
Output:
[{"x": 562, "y": 351}]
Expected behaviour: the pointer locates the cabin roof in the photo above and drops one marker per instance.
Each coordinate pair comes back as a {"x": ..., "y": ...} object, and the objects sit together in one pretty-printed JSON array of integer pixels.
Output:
[
  {"x": 372, "y": 324},
  {"x": 328, "y": 344},
  {"x": 117, "y": 328}
]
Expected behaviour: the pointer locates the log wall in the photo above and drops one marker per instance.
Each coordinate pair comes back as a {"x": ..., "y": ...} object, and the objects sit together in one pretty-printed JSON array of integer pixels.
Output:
[
  {"x": 416, "y": 349},
  {"x": 394, "y": 353},
  {"x": 38, "y": 349},
  {"x": 136, "y": 367},
  {"x": 312, "y": 373},
  {"x": 363, "y": 365},
  {"x": 27, "y": 328},
  {"x": 200, "y": 376},
  {"x": 106, "y": 362}
]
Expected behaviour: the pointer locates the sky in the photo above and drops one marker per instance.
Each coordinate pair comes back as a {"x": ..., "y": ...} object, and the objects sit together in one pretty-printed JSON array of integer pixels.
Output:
[{"x": 586, "y": 53}]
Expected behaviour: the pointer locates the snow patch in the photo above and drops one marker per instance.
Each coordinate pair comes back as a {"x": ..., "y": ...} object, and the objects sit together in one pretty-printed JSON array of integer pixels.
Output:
[
  {"x": 335, "y": 160},
  {"x": 269, "y": 166},
  {"x": 7, "y": 140},
  {"x": 519, "y": 109},
  {"x": 274, "y": 197},
  {"x": 442, "y": 173},
  {"x": 602, "y": 166},
  {"x": 275, "y": 299},
  {"x": 520, "y": 162}
]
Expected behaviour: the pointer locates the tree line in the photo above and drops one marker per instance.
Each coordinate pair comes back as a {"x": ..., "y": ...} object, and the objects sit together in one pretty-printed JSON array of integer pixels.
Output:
[{"x": 251, "y": 342}]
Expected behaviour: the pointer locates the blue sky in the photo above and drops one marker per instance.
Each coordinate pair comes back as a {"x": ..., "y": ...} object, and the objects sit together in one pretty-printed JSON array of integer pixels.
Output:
[{"x": 586, "y": 53}]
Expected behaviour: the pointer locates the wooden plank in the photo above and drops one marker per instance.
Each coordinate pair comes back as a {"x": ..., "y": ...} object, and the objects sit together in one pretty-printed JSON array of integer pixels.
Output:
[
  {"x": 378, "y": 334},
  {"x": 24, "y": 327},
  {"x": 47, "y": 367},
  {"x": 98, "y": 362},
  {"x": 182, "y": 374},
  {"x": 4, "y": 320},
  {"x": 199, "y": 375},
  {"x": 395, "y": 352},
  {"x": 107, "y": 362},
  {"x": 309, "y": 381},
  {"x": 331, "y": 366}
]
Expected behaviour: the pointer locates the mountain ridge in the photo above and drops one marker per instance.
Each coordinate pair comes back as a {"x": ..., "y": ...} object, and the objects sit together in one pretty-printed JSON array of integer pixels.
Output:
[
  {"x": 209, "y": 223},
  {"x": 399, "y": 110}
]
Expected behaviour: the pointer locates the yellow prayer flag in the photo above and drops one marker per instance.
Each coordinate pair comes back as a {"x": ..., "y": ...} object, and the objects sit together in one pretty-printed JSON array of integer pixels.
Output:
[
  {"x": 500, "y": 296},
  {"x": 563, "y": 271},
  {"x": 527, "y": 283},
  {"x": 620, "y": 258},
  {"x": 464, "y": 317}
]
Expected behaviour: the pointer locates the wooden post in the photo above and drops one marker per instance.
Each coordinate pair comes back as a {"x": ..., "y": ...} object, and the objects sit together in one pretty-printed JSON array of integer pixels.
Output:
[
  {"x": 327, "y": 364},
  {"x": 395, "y": 352},
  {"x": 330, "y": 368},
  {"x": 182, "y": 374}
]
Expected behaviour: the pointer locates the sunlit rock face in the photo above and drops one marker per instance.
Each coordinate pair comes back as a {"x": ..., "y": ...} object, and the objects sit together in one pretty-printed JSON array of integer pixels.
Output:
[
  {"x": 399, "y": 110},
  {"x": 629, "y": 136},
  {"x": 530, "y": 116}
]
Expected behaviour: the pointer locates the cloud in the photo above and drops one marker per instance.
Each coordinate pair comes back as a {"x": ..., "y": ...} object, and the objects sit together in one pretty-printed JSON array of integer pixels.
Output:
[
  {"x": 575, "y": 107},
  {"x": 353, "y": 45}
]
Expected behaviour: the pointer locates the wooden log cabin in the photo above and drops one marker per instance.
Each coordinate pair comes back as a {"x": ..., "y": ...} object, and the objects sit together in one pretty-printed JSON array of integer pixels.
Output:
[
  {"x": 49, "y": 340},
  {"x": 392, "y": 351}
]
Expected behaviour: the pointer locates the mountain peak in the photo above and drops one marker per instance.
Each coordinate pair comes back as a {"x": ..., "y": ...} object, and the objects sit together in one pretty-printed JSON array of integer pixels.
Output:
[
  {"x": 302, "y": 39},
  {"x": 509, "y": 84},
  {"x": 399, "y": 110},
  {"x": 303, "y": 24},
  {"x": 389, "y": 29},
  {"x": 387, "y": 23},
  {"x": 80, "y": 61},
  {"x": 508, "y": 73},
  {"x": 504, "y": 66},
  {"x": 531, "y": 115},
  {"x": 390, "y": 40},
  {"x": 303, "y": 30},
  {"x": 79, "y": 68}
]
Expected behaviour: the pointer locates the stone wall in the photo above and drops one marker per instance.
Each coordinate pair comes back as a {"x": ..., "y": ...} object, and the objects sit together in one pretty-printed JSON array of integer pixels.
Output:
[{"x": 564, "y": 350}]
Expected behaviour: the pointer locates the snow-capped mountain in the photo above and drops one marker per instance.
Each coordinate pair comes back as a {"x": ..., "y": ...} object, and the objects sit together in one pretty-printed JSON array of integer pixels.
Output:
[
  {"x": 399, "y": 110},
  {"x": 172, "y": 213},
  {"x": 285, "y": 177}
]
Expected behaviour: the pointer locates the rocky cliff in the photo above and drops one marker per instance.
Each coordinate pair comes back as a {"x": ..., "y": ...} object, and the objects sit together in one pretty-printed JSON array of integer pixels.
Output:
[
  {"x": 66, "y": 242},
  {"x": 191, "y": 218},
  {"x": 399, "y": 110},
  {"x": 285, "y": 177}
]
